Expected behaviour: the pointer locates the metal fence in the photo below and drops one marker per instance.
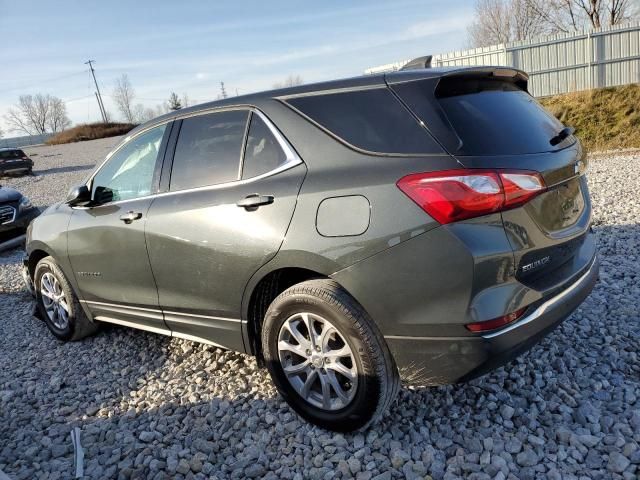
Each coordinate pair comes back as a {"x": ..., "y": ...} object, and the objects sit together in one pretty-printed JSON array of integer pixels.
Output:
[
  {"x": 18, "y": 142},
  {"x": 596, "y": 58}
]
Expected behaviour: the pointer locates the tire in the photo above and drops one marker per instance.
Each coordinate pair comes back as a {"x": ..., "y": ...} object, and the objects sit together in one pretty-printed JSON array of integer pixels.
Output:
[
  {"x": 77, "y": 325},
  {"x": 324, "y": 304}
]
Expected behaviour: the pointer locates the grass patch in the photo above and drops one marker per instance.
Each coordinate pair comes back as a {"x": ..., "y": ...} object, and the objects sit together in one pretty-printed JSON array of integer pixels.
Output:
[
  {"x": 604, "y": 119},
  {"x": 90, "y": 131}
]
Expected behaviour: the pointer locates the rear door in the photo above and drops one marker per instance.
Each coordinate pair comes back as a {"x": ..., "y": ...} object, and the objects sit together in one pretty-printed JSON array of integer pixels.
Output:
[
  {"x": 487, "y": 119},
  {"x": 231, "y": 195}
]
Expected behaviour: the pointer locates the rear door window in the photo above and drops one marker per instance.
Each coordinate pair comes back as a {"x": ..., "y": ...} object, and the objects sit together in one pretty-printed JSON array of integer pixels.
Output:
[
  {"x": 208, "y": 150},
  {"x": 372, "y": 120},
  {"x": 492, "y": 116},
  {"x": 263, "y": 152}
]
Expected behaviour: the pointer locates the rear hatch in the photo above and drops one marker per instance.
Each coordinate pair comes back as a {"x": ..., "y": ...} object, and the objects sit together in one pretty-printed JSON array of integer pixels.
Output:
[
  {"x": 12, "y": 156},
  {"x": 485, "y": 118}
]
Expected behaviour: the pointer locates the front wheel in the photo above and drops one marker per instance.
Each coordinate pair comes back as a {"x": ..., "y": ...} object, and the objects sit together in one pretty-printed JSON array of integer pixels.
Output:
[
  {"x": 327, "y": 358},
  {"x": 58, "y": 304}
]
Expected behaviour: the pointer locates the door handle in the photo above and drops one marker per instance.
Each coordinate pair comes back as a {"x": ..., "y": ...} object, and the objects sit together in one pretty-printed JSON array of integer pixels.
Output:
[
  {"x": 252, "y": 202},
  {"x": 130, "y": 217}
]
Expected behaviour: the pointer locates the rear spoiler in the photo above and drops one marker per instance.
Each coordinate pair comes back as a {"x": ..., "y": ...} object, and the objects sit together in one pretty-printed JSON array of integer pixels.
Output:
[
  {"x": 412, "y": 71},
  {"x": 517, "y": 77},
  {"x": 497, "y": 72}
]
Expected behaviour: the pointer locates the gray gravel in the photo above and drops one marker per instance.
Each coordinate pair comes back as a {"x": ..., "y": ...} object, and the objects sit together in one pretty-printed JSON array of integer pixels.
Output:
[{"x": 153, "y": 407}]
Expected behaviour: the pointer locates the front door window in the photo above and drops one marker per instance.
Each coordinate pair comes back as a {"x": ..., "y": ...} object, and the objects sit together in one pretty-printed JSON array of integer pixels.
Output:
[{"x": 129, "y": 173}]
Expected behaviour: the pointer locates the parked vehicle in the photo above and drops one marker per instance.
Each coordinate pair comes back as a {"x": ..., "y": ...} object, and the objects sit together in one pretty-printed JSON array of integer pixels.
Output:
[
  {"x": 14, "y": 160},
  {"x": 426, "y": 224},
  {"x": 16, "y": 211}
]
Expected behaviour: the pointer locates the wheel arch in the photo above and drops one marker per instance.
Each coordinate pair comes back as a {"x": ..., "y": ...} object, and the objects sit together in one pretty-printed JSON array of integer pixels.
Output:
[
  {"x": 36, "y": 254},
  {"x": 265, "y": 290},
  {"x": 286, "y": 269}
]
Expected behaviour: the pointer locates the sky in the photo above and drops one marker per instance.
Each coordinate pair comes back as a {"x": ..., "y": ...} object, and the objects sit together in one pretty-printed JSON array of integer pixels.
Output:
[{"x": 190, "y": 46}]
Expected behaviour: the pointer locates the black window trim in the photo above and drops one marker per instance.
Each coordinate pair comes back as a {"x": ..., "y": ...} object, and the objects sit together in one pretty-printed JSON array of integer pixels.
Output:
[
  {"x": 293, "y": 159},
  {"x": 290, "y": 154},
  {"x": 284, "y": 100},
  {"x": 245, "y": 138},
  {"x": 198, "y": 114}
]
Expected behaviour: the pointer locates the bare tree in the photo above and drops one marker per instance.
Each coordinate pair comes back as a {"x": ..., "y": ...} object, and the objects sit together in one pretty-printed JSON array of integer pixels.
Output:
[
  {"x": 38, "y": 114},
  {"x": 560, "y": 16},
  {"x": 527, "y": 21},
  {"x": 502, "y": 21},
  {"x": 606, "y": 12},
  {"x": 1, "y": 133},
  {"x": 58, "y": 119},
  {"x": 290, "y": 81},
  {"x": 620, "y": 11},
  {"x": 174, "y": 102},
  {"x": 185, "y": 100},
  {"x": 571, "y": 15},
  {"x": 123, "y": 95},
  {"x": 492, "y": 24}
]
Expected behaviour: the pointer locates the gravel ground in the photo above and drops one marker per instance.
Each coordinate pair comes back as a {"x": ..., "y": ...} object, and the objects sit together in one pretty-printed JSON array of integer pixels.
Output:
[{"x": 154, "y": 407}]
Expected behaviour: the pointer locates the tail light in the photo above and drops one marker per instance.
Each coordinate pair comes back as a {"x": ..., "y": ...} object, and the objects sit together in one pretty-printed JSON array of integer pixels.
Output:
[
  {"x": 496, "y": 322},
  {"x": 453, "y": 195}
]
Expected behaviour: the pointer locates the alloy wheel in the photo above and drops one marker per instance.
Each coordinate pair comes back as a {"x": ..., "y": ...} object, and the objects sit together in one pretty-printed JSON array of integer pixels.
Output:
[
  {"x": 54, "y": 300},
  {"x": 317, "y": 361}
]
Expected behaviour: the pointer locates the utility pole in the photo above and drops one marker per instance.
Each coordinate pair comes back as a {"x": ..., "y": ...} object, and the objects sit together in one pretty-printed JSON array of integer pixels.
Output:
[{"x": 103, "y": 111}]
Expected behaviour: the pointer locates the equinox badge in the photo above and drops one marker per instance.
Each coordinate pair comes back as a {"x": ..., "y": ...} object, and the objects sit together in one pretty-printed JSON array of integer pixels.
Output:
[{"x": 537, "y": 264}]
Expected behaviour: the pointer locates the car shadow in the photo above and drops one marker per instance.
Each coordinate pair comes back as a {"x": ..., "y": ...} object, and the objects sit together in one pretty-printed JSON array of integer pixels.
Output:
[
  {"x": 146, "y": 403},
  {"x": 69, "y": 169}
]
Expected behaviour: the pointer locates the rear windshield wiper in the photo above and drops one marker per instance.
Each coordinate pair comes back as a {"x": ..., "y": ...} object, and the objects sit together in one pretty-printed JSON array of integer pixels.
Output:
[{"x": 562, "y": 134}]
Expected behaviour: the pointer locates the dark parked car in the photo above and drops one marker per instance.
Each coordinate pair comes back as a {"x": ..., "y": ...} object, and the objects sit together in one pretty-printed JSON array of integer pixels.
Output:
[
  {"x": 14, "y": 160},
  {"x": 16, "y": 211},
  {"x": 426, "y": 224}
]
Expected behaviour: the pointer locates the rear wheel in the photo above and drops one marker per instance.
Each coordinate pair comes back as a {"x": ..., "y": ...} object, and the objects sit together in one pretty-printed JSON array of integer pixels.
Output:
[
  {"x": 58, "y": 304},
  {"x": 327, "y": 358}
]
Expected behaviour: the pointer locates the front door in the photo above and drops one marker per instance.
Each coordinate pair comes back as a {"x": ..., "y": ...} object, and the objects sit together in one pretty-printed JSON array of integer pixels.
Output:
[
  {"x": 225, "y": 215},
  {"x": 106, "y": 242}
]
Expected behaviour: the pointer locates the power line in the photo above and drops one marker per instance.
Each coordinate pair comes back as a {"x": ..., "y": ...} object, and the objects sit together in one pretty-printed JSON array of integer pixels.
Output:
[
  {"x": 22, "y": 85},
  {"x": 98, "y": 97},
  {"x": 69, "y": 100}
]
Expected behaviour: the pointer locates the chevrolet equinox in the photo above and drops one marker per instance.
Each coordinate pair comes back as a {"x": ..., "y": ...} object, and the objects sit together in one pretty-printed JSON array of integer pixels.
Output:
[{"x": 426, "y": 225}]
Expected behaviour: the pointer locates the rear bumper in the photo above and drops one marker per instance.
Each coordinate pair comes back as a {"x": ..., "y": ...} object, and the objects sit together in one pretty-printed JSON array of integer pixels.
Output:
[
  {"x": 15, "y": 167},
  {"x": 445, "y": 360}
]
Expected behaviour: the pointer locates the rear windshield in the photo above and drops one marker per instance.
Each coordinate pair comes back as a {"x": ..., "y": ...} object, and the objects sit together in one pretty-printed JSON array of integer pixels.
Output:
[
  {"x": 10, "y": 154},
  {"x": 372, "y": 120},
  {"x": 496, "y": 117}
]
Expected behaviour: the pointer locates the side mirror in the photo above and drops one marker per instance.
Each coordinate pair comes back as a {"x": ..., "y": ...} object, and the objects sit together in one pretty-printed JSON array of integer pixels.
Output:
[
  {"x": 103, "y": 195},
  {"x": 79, "y": 196}
]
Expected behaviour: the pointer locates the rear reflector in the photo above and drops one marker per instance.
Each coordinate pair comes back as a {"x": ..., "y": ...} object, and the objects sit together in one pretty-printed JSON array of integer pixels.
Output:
[
  {"x": 496, "y": 322},
  {"x": 453, "y": 195}
]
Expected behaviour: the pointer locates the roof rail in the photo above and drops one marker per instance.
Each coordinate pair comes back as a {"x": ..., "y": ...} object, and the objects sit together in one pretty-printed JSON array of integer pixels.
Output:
[{"x": 418, "y": 63}]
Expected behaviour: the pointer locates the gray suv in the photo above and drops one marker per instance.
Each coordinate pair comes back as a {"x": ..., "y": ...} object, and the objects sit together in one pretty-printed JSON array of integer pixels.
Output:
[{"x": 427, "y": 224}]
